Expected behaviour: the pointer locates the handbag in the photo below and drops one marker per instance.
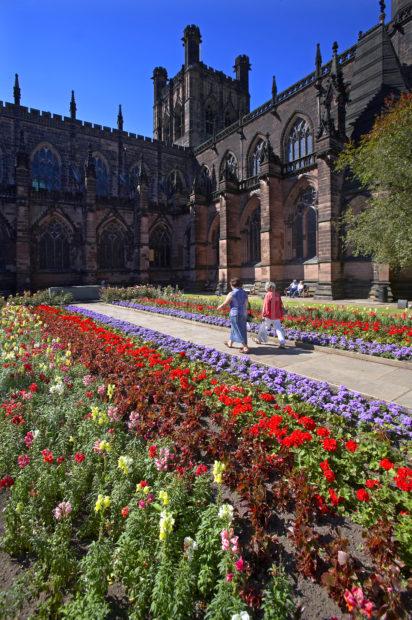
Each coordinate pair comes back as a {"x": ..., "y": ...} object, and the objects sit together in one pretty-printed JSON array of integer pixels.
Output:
[{"x": 263, "y": 333}]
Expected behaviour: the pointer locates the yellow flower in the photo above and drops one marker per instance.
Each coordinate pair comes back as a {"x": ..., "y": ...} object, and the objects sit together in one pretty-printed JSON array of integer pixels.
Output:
[
  {"x": 102, "y": 502},
  {"x": 123, "y": 463},
  {"x": 104, "y": 446},
  {"x": 166, "y": 524},
  {"x": 218, "y": 469},
  {"x": 110, "y": 390},
  {"x": 164, "y": 498}
]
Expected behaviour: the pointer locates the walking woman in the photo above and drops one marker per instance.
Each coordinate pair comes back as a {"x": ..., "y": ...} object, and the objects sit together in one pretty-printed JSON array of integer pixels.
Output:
[
  {"x": 237, "y": 300},
  {"x": 272, "y": 312}
]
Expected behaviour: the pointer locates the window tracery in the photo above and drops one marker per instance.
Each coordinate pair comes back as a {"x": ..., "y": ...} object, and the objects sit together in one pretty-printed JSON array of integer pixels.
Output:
[
  {"x": 160, "y": 244},
  {"x": 54, "y": 248},
  {"x": 253, "y": 237},
  {"x": 45, "y": 170},
  {"x": 254, "y": 162},
  {"x": 111, "y": 250},
  {"x": 304, "y": 226},
  {"x": 300, "y": 140},
  {"x": 102, "y": 177}
]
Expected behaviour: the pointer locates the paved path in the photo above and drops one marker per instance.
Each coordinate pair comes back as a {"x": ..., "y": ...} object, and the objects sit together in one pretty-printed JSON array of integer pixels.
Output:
[{"x": 373, "y": 379}]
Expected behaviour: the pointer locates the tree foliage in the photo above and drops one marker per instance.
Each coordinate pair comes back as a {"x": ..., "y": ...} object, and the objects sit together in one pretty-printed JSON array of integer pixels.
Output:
[{"x": 382, "y": 164}]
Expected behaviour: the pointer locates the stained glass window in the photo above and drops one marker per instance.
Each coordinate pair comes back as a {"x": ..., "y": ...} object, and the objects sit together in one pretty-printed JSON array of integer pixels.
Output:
[
  {"x": 253, "y": 245},
  {"x": 45, "y": 170},
  {"x": 160, "y": 243},
  {"x": 300, "y": 140},
  {"x": 54, "y": 248},
  {"x": 102, "y": 177},
  {"x": 111, "y": 248},
  {"x": 254, "y": 163}
]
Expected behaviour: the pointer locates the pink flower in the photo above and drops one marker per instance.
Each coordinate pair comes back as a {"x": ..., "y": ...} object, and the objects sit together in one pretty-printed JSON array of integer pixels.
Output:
[
  {"x": 240, "y": 564},
  {"x": 113, "y": 413},
  {"x": 141, "y": 503},
  {"x": 62, "y": 510},
  {"x": 101, "y": 390},
  {"x": 87, "y": 380},
  {"x": 229, "y": 577},
  {"x": 23, "y": 460},
  {"x": 234, "y": 541},
  {"x": 27, "y": 395},
  {"x": 28, "y": 439},
  {"x": 224, "y": 537},
  {"x": 133, "y": 422}
]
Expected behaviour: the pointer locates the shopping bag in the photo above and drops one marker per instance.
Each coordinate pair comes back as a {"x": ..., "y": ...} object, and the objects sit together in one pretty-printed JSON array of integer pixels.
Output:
[{"x": 263, "y": 333}]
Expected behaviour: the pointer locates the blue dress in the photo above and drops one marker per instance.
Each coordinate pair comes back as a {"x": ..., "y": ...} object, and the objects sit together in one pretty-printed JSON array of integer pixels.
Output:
[{"x": 238, "y": 316}]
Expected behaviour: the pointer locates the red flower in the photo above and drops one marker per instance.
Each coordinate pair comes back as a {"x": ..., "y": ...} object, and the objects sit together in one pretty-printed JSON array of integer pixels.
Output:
[
  {"x": 33, "y": 387},
  {"x": 125, "y": 512},
  {"x": 47, "y": 456},
  {"x": 371, "y": 484},
  {"x": 322, "y": 431},
  {"x": 79, "y": 457},
  {"x": 362, "y": 495},
  {"x": 307, "y": 422},
  {"x": 143, "y": 484},
  {"x": 403, "y": 479},
  {"x": 200, "y": 469},
  {"x": 6, "y": 482},
  {"x": 329, "y": 475},
  {"x": 351, "y": 446},
  {"x": 152, "y": 451},
  {"x": 334, "y": 497},
  {"x": 330, "y": 445},
  {"x": 386, "y": 464},
  {"x": 59, "y": 460}
]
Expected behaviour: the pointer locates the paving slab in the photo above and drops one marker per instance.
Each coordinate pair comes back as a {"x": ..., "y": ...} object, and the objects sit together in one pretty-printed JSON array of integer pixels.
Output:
[{"x": 375, "y": 380}]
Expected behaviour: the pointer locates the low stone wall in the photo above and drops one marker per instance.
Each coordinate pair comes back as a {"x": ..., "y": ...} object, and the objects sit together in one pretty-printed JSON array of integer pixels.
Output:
[{"x": 80, "y": 293}]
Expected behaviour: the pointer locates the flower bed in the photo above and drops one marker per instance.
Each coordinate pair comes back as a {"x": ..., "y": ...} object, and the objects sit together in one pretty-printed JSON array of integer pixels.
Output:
[
  {"x": 370, "y": 338},
  {"x": 349, "y": 405},
  {"x": 278, "y": 455}
]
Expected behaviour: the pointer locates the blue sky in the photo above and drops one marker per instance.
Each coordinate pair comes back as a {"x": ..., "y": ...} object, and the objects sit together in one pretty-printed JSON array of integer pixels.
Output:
[{"x": 106, "y": 49}]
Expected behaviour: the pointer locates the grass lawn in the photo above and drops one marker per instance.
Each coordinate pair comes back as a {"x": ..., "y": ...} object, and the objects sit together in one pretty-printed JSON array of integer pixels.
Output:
[{"x": 256, "y": 302}]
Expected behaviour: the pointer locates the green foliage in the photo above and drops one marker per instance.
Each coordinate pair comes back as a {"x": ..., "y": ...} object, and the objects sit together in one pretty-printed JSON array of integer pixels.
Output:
[
  {"x": 41, "y": 297},
  {"x": 113, "y": 293},
  {"x": 277, "y": 598},
  {"x": 382, "y": 164}
]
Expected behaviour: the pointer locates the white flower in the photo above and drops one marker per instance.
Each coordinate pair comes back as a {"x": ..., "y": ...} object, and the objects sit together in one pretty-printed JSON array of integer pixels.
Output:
[
  {"x": 226, "y": 512},
  {"x": 242, "y": 616},
  {"x": 189, "y": 546},
  {"x": 57, "y": 388}
]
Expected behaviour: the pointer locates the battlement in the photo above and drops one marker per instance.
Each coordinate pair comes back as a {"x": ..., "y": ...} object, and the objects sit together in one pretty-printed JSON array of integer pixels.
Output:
[
  {"x": 58, "y": 121},
  {"x": 344, "y": 58},
  {"x": 220, "y": 74}
]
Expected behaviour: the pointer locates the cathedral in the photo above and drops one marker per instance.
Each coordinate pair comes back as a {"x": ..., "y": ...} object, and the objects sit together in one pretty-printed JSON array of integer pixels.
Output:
[{"x": 219, "y": 191}]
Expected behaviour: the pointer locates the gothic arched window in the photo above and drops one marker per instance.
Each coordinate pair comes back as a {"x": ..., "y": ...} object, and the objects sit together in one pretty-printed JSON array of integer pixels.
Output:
[
  {"x": 300, "y": 140},
  {"x": 111, "y": 248},
  {"x": 228, "y": 166},
  {"x": 102, "y": 177},
  {"x": 187, "y": 244},
  {"x": 304, "y": 227},
  {"x": 45, "y": 170},
  {"x": 174, "y": 183},
  {"x": 178, "y": 116},
  {"x": 210, "y": 120},
  {"x": 54, "y": 248},
  {"x": 254, "y": 161},
  {"x": 160, "y": 243},
  {"x": 253, "y": 237},
  {"x": 215, "y": 247}
]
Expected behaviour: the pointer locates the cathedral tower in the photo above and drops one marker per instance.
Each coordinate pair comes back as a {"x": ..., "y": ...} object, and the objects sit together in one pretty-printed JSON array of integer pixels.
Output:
[{"x": 199, "y": 101}]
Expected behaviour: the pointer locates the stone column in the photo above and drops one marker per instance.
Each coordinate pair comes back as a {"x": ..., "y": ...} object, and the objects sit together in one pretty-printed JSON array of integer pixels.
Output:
[
  {"x": 91, "y": 241},
  {"x": 23, "y": 266},
  {"x": 141, "y": 247},
  {"x": 198, "y": 270},
  {"x": 330, "y": 283},
  {"x": 230, "y": 241},
  {"x": 272, "y": 234}
]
